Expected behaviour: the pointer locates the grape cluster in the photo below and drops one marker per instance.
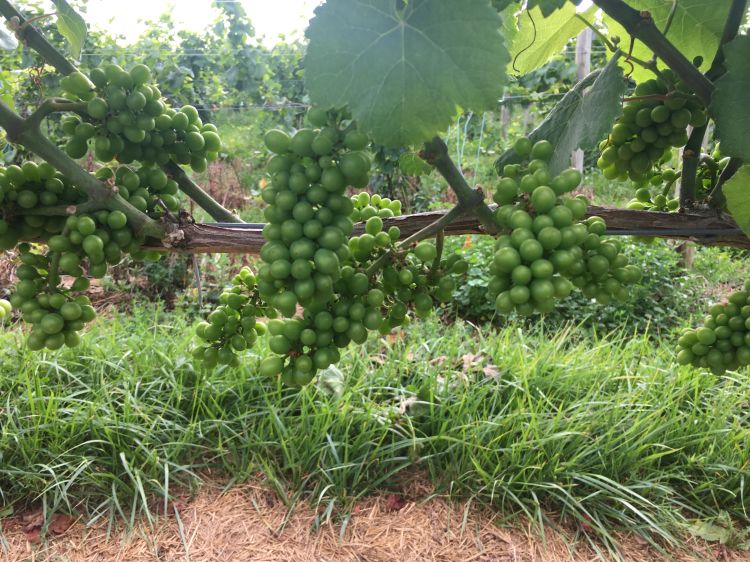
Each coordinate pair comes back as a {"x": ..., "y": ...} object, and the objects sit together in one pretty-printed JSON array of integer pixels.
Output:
[
  {"x": 232, "y": 327},
  {"x": 723, "y": 342},
  {"x": 77, "y": 245},
  {"x": 55, "y": 313},
  {"x": 372, "y": 210},
  {"x": 124, "y": 118},
  {"x": 548, "y": 249},
  {"x": 367, "y": 206},
  {"x": 653, "y": 122},
  {"x": 646, "y": 200},
  {"x": 326, "y": 284},
  {"x": 26, "y": 189},
  {"x": 419, "y": 280},
  {"x": 307, "y": 231},
  {"x": 147, "y": 188},
  {"x": 36, "y": 200}
]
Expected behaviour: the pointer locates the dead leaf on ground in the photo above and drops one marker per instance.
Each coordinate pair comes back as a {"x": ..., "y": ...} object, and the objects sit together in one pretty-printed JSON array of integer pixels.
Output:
[
  {"x": 471, "y": 361},
  {"x": 33, "y": 522},
  {"x": 60, "y": 523},
  {"x": 406, "y": 403},
  {"x": 394, "y": 503},
  {"x": 379, "y": 359},
  {"x": 491, "y": 371},
  {"x": 439, "y": 360}
]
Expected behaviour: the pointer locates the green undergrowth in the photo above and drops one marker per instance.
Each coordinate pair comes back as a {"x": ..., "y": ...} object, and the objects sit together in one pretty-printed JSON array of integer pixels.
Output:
[{"x": 604, "y": 433}]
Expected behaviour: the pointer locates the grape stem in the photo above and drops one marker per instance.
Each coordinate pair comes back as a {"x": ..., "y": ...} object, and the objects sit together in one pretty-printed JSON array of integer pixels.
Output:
[
  {"x": 53, "y": 105},
  {"x": 52, "y": 275},
  {"x": 670, "y": 183},
  {"x": 435, "y": 153},
  {"x": 641, "y": 26},
  {"x": 201, "y": 198},
  {"x": 690, "y": 159},
  {"x": 439, "y": 244},
  {"x": 62, "y": 210},
  {"x": 648, "y": 65},
  {"x": 429, "y": 230},
  {"x": 663, "y": 97},
  {"x": 716, "y": 198}
]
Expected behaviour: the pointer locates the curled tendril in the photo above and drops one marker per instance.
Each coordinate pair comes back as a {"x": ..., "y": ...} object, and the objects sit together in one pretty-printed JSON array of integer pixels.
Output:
[{"x": 527, "y": 47}]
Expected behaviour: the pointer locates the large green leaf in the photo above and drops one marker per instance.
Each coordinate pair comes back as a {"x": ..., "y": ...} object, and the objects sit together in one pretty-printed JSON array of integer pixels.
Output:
[
  {"x": 696, "y": 28},
  {"x": 405, "y": 69},
  {"x": 500, "y": 5},
  {"x": 581, "y": 119},
  {"x": 70, "y": 24},
  {"x": 737, "y": 193},
  {"x": 541, "y": 37},
  {"x": 548, "y": 6},
  {"x": 729, "y": 105}
]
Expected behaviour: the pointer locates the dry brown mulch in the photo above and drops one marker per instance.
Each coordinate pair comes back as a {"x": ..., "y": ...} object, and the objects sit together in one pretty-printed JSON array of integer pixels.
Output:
[{"x": 247, "y": 523}]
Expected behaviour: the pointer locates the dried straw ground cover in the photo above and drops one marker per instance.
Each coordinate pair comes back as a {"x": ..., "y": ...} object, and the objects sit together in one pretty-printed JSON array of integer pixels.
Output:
[
  {"x": 603, "y": 435},
  {"x": 247, "y": 523}
]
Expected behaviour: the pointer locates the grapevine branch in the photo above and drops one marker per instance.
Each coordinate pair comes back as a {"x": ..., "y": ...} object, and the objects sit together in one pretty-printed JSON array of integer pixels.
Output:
[
  {"x": 705, "y": 228},
  {"x": 29, "y": 35},
  {"x": 430, "y": 230},
  {"x": 640, "y": 26},
  {"x": 26, "y": 132},
  {"x": 435, "y": 152},
  {"x": 215, "y": 210}
]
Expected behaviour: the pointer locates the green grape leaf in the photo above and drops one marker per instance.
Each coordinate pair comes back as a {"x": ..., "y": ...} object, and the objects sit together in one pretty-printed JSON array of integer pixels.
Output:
[
  {"x": 541, "y": 37},
  {"x": 500, "y": 5},
  {"x": 581, "y": 118},
  {"x": 405, "y": 70},
  {"x": 412, "y": 165},
  {"x": 8, "y": 89},
  {"x": 547, "y": 6},
  {"x": 696, "y": 29},
  {"x": 730, "y": 100},
  {"x": 737, "y": 193},
  {"x": 71, "y": 25},
  {"x": 8, "y": 41},
  {"x": 708, "y": 531}
]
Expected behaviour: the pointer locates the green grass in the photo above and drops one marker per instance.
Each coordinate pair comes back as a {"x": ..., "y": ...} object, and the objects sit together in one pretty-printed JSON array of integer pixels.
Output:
[{"x": 602, "y": 432}]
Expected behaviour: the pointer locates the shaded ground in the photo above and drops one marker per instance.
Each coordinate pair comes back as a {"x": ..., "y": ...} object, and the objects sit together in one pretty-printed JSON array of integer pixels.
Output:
[{"x": 247, "y": 524}]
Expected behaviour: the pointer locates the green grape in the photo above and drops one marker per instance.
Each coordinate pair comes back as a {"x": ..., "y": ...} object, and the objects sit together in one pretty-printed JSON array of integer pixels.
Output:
[{"x": 721, "y": 344}]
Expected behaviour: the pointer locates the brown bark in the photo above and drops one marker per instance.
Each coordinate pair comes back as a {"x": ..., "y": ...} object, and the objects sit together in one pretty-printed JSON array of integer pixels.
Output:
[{"x": 204, "y": 238}]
